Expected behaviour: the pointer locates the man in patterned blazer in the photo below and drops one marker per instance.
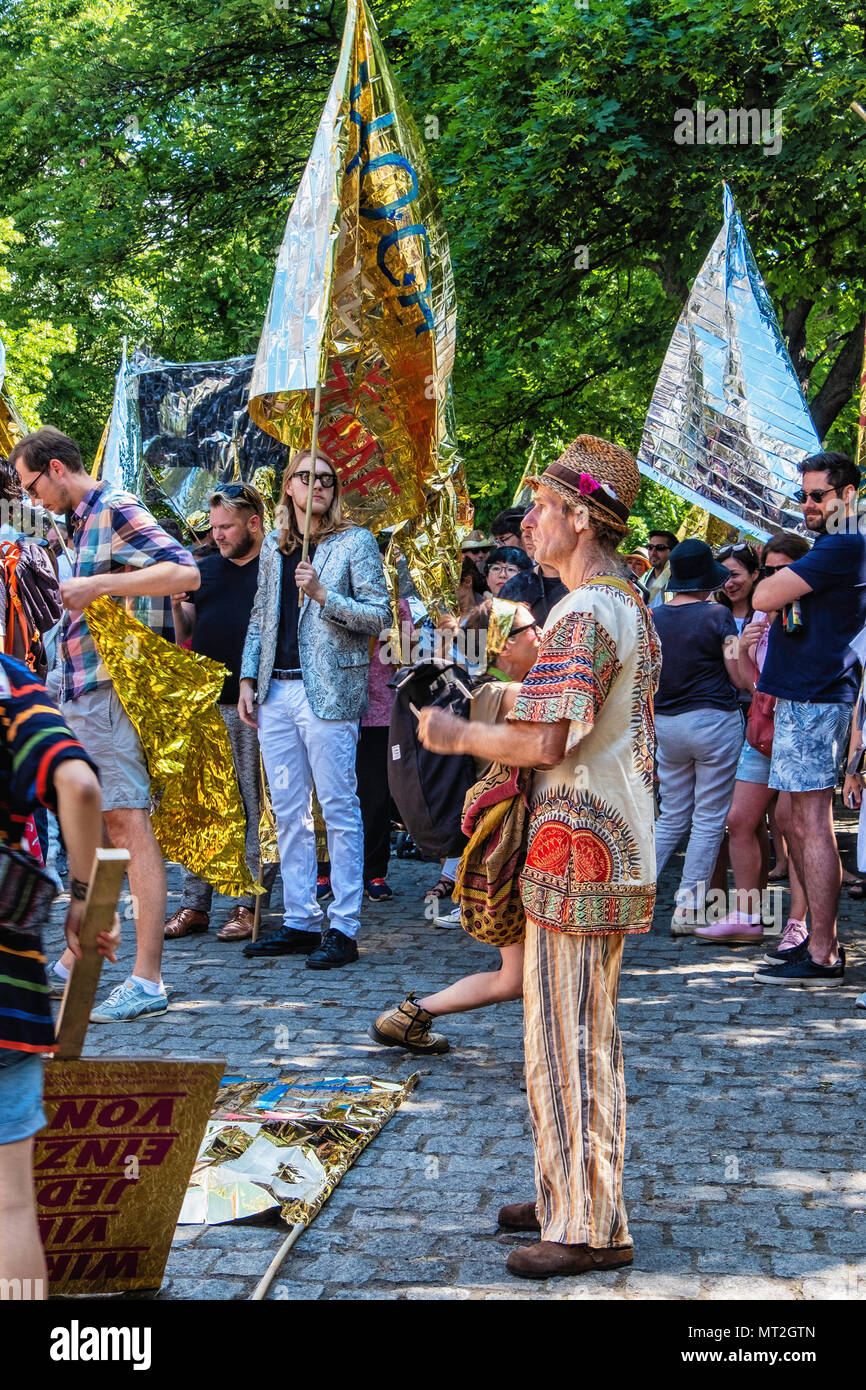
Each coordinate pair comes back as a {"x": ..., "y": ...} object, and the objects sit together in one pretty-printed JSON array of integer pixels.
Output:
[
  {"x": 583, "y": 722},
  {"x": 304, "y": 685}
]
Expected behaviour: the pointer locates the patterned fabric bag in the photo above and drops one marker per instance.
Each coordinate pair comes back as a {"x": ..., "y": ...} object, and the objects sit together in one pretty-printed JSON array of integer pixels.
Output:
[{"x": 487, "y": 886}]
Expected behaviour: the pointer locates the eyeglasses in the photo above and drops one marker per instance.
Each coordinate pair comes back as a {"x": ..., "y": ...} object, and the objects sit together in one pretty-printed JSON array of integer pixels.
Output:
[
  {"x": 528, "y": 627},
  {"x": 503, "y": 569},
  {"x": 327, "y": 480},
  {"x": 816, "y": 495},
  {"x": 771, "y": 569},
  {"x": 31, "y": 482},
  {"x": 658, "y": 547},
  {"x": 235, "y": 490},
  {"x": 743, "y": 548}
]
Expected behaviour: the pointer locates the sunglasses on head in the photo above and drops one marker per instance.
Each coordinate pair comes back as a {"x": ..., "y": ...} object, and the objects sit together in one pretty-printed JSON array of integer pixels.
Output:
[
  {"x": 743, "y": 548},
  {"x": 235, "y": 490},
  {"x": 817, "y": 494},
  {"x": 327, "y": 480}
]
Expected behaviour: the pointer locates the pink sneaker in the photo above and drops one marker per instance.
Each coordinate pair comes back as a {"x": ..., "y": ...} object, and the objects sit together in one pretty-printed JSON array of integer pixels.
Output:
[
  {"x": 796, "y": 933},
  {"x": 735, "y": 929}
]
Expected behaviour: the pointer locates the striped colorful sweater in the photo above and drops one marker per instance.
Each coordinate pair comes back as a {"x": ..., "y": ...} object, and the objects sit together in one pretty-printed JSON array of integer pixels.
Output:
[{"x": 34, "y": 741}]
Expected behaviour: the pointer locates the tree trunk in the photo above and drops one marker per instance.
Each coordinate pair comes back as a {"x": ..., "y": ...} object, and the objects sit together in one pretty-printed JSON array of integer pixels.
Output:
[{"x": 840, "y": 382}]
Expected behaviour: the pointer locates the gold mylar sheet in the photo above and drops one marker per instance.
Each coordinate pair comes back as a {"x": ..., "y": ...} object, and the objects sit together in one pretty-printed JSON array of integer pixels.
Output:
[
  {"x": 363, "y": 301},
  {"x": 12, "y": 427},
  {"x": 284, "y": 1142},
  {"x": 170, "y": 695}
]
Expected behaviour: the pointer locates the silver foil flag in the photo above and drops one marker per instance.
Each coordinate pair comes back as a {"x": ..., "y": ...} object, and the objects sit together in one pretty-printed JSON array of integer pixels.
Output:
[
  {"x": 178, "y": 429},
  {"x": 728, "y": 424}
]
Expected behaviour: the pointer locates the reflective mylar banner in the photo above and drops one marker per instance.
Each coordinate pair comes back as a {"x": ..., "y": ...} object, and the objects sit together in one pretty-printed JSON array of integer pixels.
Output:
[
  {"x": 363, "y": 301},
  {"x": 727, "y": 424},
  {"x": 284, "y": 1143},
  {"x": 177, "y": 430},
  {"x": 12, "y": 427}
]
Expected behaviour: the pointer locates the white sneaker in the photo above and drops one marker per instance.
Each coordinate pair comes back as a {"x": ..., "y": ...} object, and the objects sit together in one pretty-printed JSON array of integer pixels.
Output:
[{"x": 448, "y": 919}]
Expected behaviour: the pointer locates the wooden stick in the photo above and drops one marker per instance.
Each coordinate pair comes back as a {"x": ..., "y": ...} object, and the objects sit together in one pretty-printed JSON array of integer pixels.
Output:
[
  {"x": 314, "y": 449},
  {"x": 106, "y": 881},
  {"x": 268, "y": 1277}
]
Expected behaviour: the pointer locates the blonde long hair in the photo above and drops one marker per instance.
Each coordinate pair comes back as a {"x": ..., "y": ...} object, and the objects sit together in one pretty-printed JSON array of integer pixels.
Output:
[{"x": 328, "y": 524}]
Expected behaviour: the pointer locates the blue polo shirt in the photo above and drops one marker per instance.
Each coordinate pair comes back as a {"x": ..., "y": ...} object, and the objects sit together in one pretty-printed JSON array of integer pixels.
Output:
[{"x": 818, "y": 664}]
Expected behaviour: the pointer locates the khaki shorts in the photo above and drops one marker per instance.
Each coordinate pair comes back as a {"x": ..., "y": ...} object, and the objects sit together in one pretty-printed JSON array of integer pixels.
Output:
[{"x": 103, "y": 728}]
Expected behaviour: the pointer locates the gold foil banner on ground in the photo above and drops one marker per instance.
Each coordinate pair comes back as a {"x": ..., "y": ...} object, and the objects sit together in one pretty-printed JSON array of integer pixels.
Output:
[
  {"x": 170, "y": 696},
  {"x": 727, "y": 424},
  {"x": 284, "y": 1143},
  {"x": 363, "y": 301}
]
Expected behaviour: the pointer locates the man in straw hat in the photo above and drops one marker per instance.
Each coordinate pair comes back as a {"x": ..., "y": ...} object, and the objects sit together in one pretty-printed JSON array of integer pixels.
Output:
[{"x": 583, "y": 722}]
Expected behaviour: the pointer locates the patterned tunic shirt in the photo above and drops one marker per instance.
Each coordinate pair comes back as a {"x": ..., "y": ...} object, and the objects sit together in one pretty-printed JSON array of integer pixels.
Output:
[
  {"x": 112, "y": 530},
  {"x": 590, "y": 863},
  {"x": 34, "y": 741}
]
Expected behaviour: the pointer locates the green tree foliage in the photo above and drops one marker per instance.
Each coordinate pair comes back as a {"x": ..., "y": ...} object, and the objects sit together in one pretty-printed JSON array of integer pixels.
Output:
[{"x": 151, "y": 153}]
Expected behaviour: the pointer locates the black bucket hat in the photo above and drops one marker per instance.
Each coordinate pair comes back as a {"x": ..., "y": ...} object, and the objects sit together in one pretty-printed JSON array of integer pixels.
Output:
[{"x": 693, "y": 568}]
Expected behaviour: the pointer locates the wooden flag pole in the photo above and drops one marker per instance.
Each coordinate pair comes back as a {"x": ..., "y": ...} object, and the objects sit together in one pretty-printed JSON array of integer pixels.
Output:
[
  {"x": 106, "y": 881},
  {"x": 314, "y": 449}
]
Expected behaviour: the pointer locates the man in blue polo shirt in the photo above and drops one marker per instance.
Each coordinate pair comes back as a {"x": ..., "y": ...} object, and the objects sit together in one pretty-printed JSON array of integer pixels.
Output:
[{"x": 813, "y": 670}]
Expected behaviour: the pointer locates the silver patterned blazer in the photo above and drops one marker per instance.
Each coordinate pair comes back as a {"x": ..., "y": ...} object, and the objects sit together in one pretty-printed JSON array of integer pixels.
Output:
[{"x": 334, "y": 640}]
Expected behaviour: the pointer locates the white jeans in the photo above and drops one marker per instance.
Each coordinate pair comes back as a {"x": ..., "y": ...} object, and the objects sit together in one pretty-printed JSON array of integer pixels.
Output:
[{"x": 298, "y": 750}]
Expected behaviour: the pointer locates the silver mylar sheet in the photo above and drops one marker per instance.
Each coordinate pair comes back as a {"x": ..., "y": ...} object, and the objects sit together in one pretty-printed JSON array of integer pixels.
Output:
[
  {"x": 728, "y": 424},
  {"x": 177, "y": 430}
]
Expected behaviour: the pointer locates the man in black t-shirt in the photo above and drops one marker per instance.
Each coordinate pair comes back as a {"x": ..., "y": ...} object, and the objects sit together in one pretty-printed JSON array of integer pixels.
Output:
[
  {"x": 216, "y": 618},
  {"x": 813, "y": 670}
]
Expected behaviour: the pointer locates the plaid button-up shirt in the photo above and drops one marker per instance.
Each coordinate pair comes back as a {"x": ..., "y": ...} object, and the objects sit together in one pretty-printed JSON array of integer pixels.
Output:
[{"x": 112, "y": 530}]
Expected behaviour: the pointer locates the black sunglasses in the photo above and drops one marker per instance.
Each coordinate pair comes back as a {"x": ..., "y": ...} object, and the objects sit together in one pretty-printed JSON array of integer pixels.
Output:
[
  {"x": 235, "y": 490},
  {"x": 772, "y": 569},
  {"x": 527, "y": 627},
  {"x": 816, "y": 495},
  {"x": 326, "y": 479}
]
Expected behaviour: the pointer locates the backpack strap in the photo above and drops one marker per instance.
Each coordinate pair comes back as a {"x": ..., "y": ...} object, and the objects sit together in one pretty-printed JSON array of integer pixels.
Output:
[{"x": 10, "y": 554}]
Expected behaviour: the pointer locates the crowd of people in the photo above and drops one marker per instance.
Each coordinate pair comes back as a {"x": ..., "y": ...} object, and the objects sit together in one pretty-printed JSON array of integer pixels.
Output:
[{"x": 625, "y": 700}]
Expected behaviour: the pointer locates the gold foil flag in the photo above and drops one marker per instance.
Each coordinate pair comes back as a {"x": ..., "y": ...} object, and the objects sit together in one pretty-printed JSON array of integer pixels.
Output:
[
  {"x": 363, "y": 302},
  {"x": 170, "y": 696}
]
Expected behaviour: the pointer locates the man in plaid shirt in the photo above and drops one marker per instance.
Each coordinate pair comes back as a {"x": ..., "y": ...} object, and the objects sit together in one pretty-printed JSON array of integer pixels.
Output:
[{"x": 120, "y": 551}]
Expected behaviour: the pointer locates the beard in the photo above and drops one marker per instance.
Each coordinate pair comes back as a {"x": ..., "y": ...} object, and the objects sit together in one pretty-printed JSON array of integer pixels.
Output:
[{"x": 239, "y": 549}]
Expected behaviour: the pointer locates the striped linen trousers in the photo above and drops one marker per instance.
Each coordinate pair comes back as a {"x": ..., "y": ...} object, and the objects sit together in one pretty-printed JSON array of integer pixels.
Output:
[{"x": 575, "y": 1085}]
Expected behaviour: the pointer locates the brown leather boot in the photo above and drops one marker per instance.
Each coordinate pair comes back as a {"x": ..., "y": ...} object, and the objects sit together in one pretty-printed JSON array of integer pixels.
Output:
[
  {"x": 185, "y": 921},
  {"x": 408, "y": 1026},
  {"x": 545, "y": 1259},
  {"x": 519, "y": 1216},
  {"x": 238, "y": 926}
]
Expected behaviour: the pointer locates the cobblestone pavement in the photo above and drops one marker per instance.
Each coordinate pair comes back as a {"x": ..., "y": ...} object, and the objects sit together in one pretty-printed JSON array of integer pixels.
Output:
[{"x": 745, "y": 1170}]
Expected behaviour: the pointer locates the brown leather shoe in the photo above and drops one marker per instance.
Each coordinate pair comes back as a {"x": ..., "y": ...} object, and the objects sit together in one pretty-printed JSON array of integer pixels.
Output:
[
  {"x": 545, "y": 1259},
  {"x": 519, "y": 1216},
  {"x": 238, "y": 926},
  {"x": 185, "y": 921}
]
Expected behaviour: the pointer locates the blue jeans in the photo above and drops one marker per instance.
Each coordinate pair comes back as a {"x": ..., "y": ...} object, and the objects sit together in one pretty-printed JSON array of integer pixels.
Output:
[{"x": 697, "y": 753}]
